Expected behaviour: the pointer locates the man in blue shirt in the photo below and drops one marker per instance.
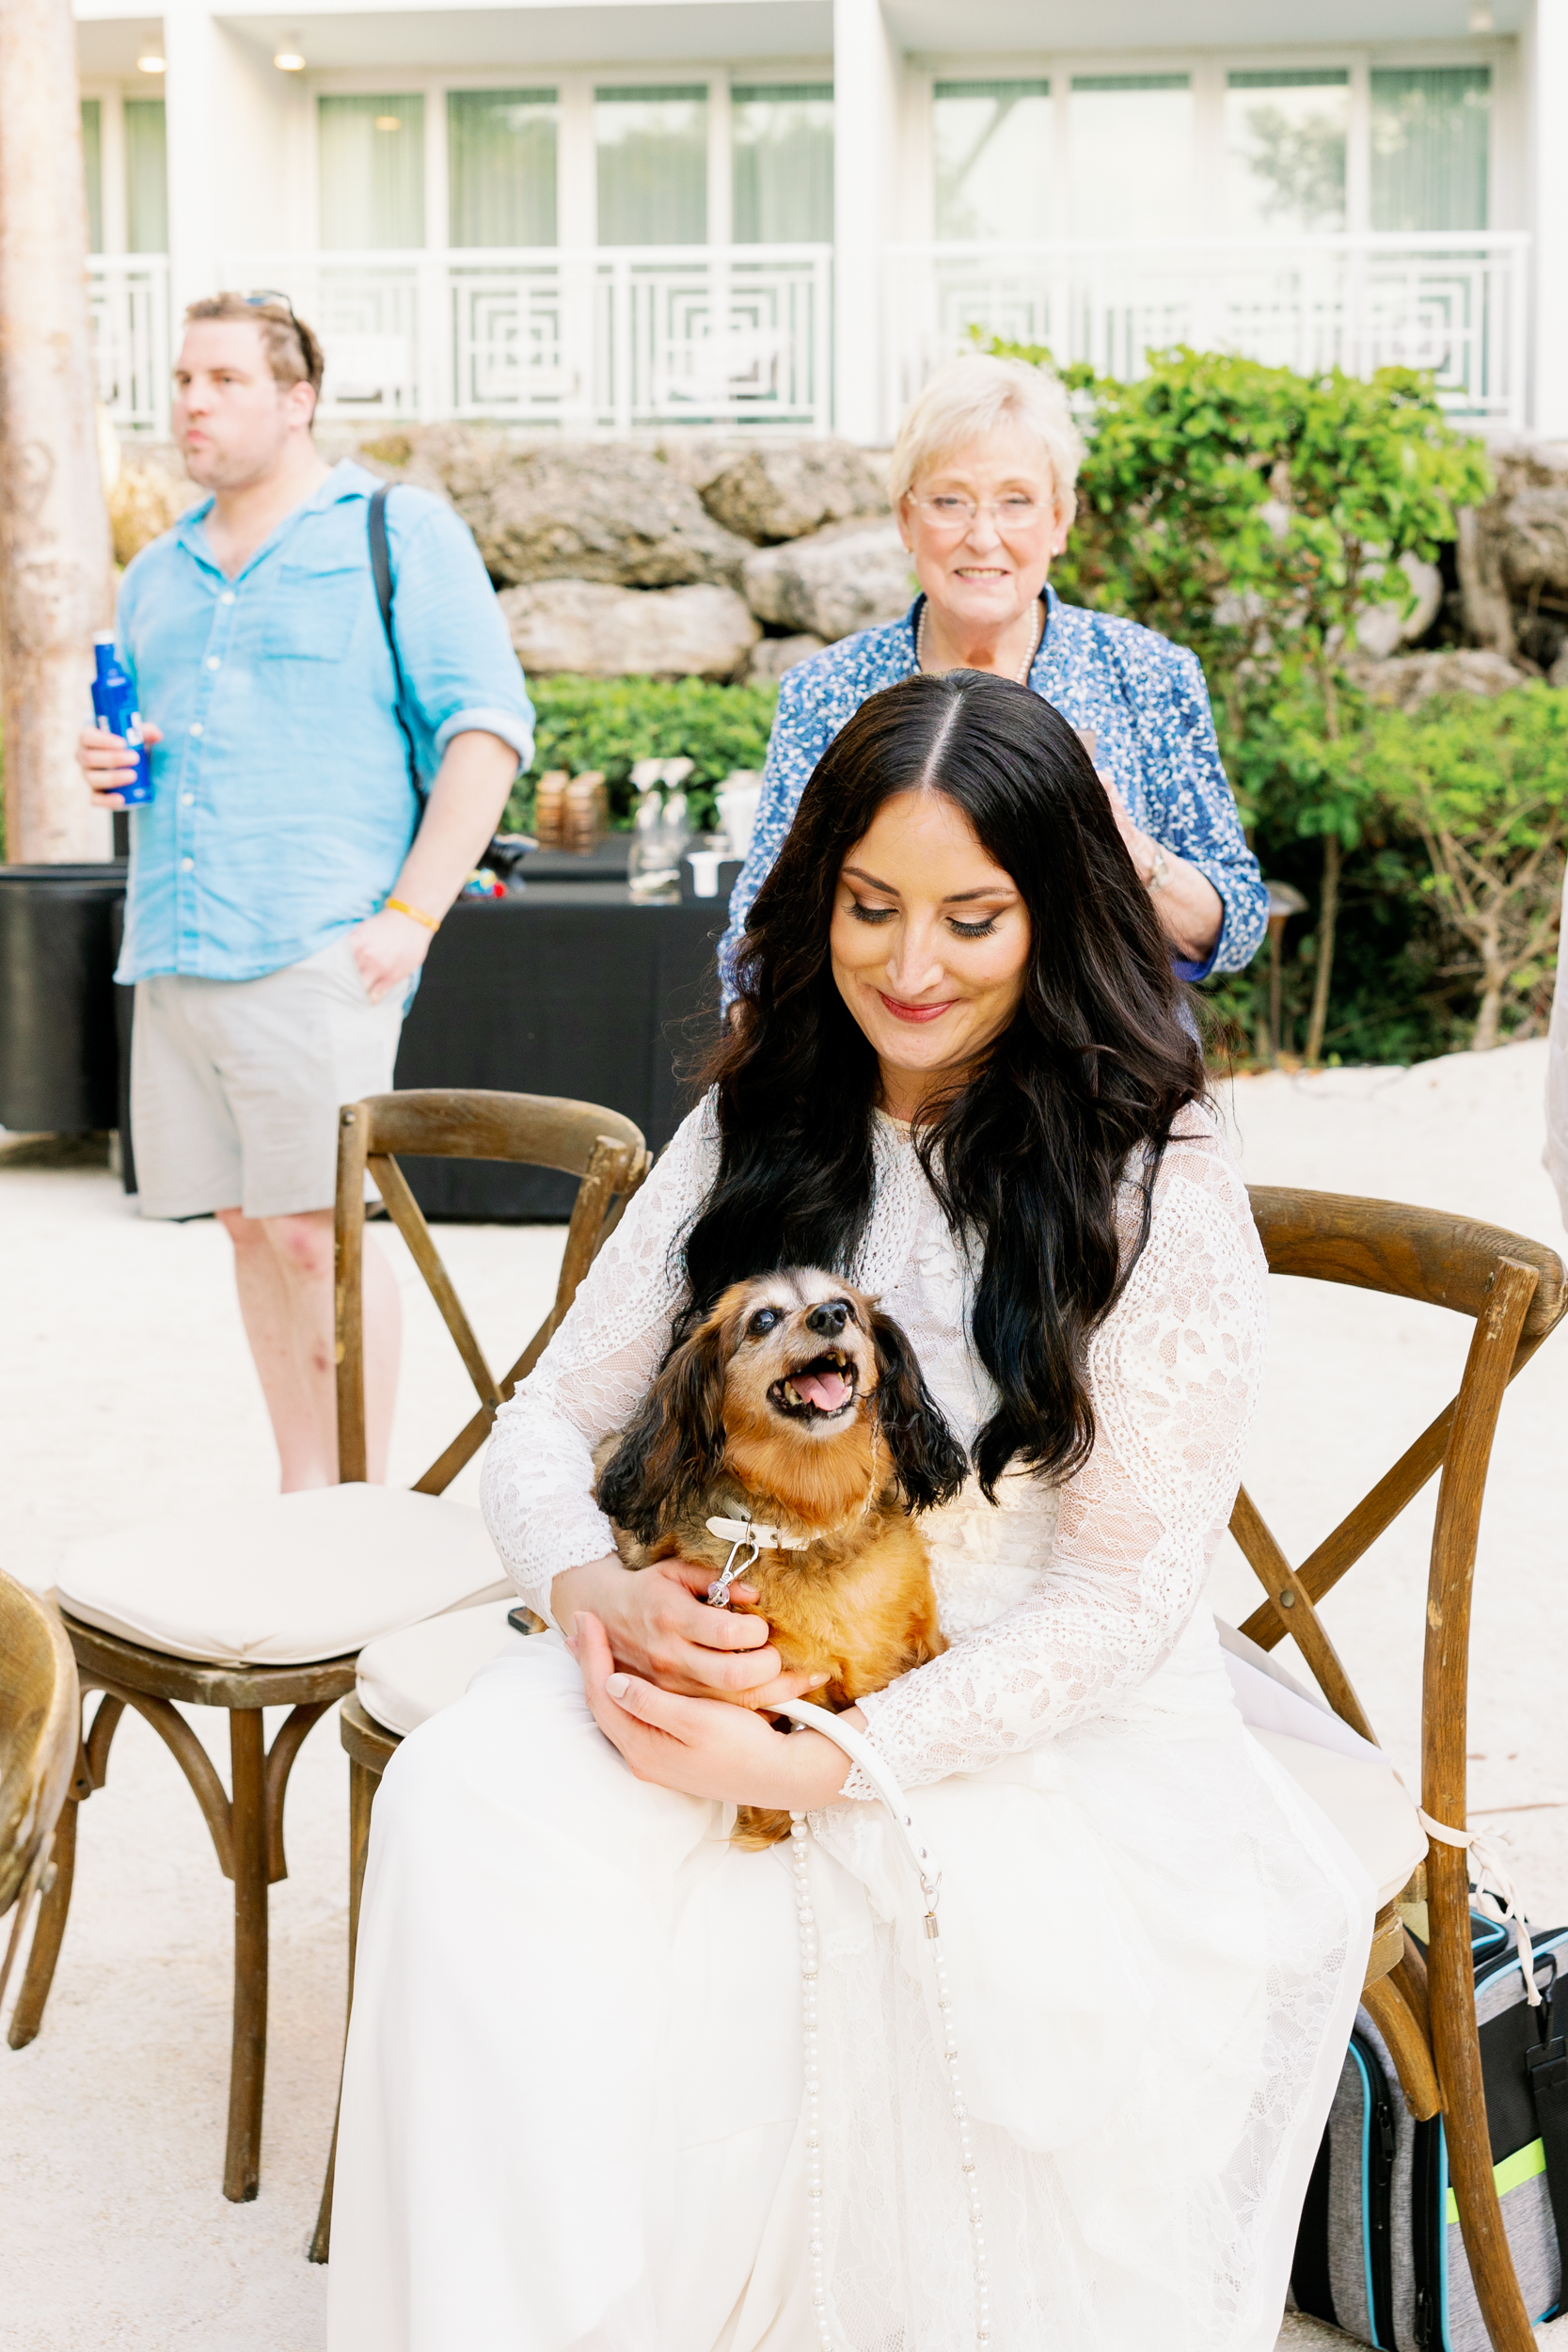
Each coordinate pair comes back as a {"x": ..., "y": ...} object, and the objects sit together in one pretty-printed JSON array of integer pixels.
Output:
[{"x": 290, "y": 872}]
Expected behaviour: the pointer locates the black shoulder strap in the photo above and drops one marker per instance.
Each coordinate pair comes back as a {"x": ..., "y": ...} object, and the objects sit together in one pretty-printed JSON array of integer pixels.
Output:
[
  {"x": 1547, "y": 2067},
  {"x": 381, "y": 567}
]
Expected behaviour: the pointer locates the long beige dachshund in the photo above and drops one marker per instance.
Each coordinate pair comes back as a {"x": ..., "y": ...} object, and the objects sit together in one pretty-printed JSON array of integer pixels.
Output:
[{"x": 790, "y": 1439}]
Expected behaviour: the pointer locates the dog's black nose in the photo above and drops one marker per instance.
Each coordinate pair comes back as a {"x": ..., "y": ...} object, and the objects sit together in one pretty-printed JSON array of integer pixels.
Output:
[{"x": 829, "y": 1319}]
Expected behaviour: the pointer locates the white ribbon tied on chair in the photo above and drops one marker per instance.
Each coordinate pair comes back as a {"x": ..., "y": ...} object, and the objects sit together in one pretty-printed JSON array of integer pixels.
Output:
[{"x": 1494, "y": 1895}]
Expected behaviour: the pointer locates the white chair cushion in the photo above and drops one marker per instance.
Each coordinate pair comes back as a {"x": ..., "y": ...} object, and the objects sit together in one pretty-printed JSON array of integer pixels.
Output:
[
  {"x": 405, "y": 1677},
  {"x": 1371, "y": 1810},
  {"x": 287, "y": 1582}
]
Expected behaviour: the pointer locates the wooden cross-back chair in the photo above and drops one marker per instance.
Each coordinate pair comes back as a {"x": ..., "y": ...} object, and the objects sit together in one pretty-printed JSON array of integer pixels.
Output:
[
  {"x": 1514, "y": 1291},
  {"x": 268, "y": 1605},
  {"x": 40, "y": 1706}
]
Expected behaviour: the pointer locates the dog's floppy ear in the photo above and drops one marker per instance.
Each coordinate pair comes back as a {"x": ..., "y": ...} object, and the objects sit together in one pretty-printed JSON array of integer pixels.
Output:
[
  {"x": 671, "y": 1451},
  {"x": 930, "y": 1463}
]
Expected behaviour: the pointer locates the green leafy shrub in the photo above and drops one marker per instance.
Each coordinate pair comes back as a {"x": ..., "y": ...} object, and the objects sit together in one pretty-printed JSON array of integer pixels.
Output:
[
  {"x": 584, "y": 723},
  {"x": 1486, "y": 786}
]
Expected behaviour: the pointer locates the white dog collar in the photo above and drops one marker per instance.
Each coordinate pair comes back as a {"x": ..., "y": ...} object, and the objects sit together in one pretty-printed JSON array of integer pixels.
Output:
[
  {"x": 755, "y": 1540},
  {"x": 753, "y": 1532}
]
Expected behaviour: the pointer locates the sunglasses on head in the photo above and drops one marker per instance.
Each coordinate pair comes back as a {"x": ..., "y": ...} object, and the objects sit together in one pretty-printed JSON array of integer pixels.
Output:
[{"x": 267, "y": 295}]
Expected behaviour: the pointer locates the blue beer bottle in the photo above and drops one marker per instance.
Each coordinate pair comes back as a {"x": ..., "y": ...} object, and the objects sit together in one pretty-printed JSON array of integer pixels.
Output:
[{"x": 114, "y": 702}]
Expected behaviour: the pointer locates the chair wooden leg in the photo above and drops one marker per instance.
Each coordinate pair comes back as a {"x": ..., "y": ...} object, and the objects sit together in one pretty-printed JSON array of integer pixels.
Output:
[
  {"x": 361, "y": 1796},
  {"x": 1450, "y": 1982},
  {"x": 1390, "y": 2012},
  {"x": 242, "y": 2170},
  {"x": 48, "y": 1932}
]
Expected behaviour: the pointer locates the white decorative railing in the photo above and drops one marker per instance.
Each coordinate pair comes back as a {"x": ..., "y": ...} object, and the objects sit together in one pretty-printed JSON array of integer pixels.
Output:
[
  {"x": 1455, "y": 304},
  {"x": 608, "y": 338},
  {"x": 128, "y": 302},
  {"x": 620, "y": 339}
]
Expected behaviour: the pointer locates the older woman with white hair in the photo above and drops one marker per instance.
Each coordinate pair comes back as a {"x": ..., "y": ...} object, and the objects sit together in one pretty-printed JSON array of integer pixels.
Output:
[{"x": 982, "y": 481}]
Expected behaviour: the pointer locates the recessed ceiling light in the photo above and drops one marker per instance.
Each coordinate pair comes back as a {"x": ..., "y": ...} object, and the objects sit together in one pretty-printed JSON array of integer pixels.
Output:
[
  {"x": 389, "y": 123},
  {"x": 289, "y": 58},
  {"x": 152, "y": 58}
]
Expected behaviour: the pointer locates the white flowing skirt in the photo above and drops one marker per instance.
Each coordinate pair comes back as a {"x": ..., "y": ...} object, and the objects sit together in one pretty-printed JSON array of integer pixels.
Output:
[{"x": 571, "y": 2103}]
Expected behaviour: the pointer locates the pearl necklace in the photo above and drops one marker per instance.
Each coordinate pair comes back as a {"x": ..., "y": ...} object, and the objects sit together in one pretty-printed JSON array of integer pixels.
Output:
[
  {"x": 1020, "y": 676},
  {"x": 930, "y": 1881}
]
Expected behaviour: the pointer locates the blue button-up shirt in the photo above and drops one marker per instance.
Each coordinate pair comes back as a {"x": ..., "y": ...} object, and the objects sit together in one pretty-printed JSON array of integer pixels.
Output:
[
  {"x": 282, "y": 805},
  {"x": 1144, "y": 698}
]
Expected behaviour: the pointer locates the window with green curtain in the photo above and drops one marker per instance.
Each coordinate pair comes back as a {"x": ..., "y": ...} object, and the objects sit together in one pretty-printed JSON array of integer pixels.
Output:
[
  {"x": 1131, "y": 159},
  {"x": 1430, "y": 127},
  {"x": 1285, "y": 150},
  {"x": 501, "y": 167},
  {"x": 146, "y": 177},
  {"x": 93, "y": 169},
  {"x": 652, "y": 146},
  {"x": 370, "y": 171},
  {"x": 782, "y": 142},
  {"x": 782, "y": 147},
  {"x": 993, "y": 149}
]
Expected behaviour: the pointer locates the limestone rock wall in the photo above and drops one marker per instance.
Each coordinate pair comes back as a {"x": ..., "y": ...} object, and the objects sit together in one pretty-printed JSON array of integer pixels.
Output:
[
  {"x": 703, "y": 629},
  {"x": 599, "y": 548},
  {"x": 1513, "y": 558},
  {"x": 714, "y": 555}
]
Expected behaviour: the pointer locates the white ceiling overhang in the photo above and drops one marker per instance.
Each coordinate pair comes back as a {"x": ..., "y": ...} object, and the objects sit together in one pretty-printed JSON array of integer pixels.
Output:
[
  {"x": 1010, "y": 26},
  {"x": 363, "y": 33},
  {"x": 368, "y": 32}
]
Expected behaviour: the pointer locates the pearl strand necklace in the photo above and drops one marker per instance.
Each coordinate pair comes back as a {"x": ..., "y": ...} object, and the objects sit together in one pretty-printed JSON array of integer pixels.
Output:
[
  {"x": 1020, "y": 676},
  {"x": 930, "y": 1881}
]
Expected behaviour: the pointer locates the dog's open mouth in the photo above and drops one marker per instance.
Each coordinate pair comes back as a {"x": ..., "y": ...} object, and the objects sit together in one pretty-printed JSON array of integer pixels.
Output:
[{"x": 826, "y": 1386}]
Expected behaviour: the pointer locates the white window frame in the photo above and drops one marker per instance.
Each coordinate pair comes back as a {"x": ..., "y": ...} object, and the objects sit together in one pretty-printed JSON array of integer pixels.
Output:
[
  {"x": 1207, "y": 71},
  {"x": 111, "y": 97},
  {"x": 577, "y": 197}
]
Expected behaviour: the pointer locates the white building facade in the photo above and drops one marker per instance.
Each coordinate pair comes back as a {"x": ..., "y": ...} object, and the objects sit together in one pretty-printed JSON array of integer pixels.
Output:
[{"x": 622, "y": 216}]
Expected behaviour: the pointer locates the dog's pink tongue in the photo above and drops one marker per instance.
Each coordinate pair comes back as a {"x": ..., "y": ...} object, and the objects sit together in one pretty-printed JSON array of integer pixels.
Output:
[{"x": 828, "y": 1391}]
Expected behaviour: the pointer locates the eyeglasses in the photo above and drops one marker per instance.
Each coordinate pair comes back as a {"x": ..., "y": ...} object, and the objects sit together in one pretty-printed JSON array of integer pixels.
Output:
[{"x": 1013, "y": 514}]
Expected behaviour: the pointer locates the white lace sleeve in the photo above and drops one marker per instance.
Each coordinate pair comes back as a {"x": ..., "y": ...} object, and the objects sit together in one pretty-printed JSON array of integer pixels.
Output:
[
  {"x": 537, "y": 1488},
  {"x": 1174, "y": 1372}
]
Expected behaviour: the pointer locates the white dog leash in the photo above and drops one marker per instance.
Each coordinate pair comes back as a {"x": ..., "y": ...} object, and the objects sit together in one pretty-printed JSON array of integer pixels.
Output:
[{"x": 857, "y": 1746}]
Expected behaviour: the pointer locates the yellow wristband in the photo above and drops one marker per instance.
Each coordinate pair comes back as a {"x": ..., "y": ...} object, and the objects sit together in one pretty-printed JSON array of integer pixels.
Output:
[{"x": 415, "y": 915}]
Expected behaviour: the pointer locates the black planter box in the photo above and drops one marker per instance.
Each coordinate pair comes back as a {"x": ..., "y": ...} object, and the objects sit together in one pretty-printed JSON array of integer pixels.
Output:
[
  {"x": 563, "y": 989},
  {"x": 59, "y": 935}
]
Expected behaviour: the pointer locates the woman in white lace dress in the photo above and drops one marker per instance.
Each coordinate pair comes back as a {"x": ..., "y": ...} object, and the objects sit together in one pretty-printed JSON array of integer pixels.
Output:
[{"x": 572, "y": 2096}]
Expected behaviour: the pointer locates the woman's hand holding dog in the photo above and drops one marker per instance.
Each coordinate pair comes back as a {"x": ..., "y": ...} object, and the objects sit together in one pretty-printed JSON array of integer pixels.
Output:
[
  {"x": 704, "y": 1747},
  {"x": 659, "y": 1626}
]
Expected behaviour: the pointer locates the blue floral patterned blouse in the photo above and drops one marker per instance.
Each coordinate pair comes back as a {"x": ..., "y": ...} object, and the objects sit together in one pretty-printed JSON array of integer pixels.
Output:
[{"x": 1154, "y": 737}]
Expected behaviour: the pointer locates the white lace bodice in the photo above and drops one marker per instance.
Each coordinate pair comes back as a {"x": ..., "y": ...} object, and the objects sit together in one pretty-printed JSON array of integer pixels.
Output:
[{"x": 1057, "y": 1602}]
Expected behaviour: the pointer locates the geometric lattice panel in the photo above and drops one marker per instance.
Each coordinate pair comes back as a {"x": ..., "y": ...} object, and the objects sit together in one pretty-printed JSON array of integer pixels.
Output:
[{"x": 1451, "y": 305}]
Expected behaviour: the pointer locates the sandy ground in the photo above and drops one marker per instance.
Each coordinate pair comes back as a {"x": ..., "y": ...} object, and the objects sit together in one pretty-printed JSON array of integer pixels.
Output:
[{"x": 125, "y": 1388}]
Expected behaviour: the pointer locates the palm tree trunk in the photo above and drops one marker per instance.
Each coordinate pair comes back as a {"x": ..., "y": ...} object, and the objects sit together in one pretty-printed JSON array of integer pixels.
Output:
[
  {"x": 1328, "y": 912},
  {"x": 55, "y": 574}
]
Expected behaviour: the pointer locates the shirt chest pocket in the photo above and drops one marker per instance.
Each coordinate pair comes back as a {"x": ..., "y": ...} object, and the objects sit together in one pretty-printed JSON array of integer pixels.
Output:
[{"x": 311, "y": 615}]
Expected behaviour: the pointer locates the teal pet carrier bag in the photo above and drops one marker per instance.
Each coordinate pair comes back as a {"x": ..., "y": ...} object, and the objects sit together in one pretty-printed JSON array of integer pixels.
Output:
[{"x": 1379, "y": 2253}]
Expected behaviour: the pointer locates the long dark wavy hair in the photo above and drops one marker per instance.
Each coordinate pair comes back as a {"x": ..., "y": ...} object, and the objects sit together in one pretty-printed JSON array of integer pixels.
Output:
[{"x": 1023, "y": 1151}]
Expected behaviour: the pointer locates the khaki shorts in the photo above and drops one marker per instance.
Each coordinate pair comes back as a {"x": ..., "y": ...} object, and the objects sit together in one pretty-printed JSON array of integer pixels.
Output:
[{"x": 236, "y": 1084}]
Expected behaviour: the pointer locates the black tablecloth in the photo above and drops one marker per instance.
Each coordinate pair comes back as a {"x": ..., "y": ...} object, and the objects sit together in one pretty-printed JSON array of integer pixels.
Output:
[
  {"x": 569, "y": 987},
  {"x": 58, "y": 942},
  {"x": 573, "y": 988}
]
